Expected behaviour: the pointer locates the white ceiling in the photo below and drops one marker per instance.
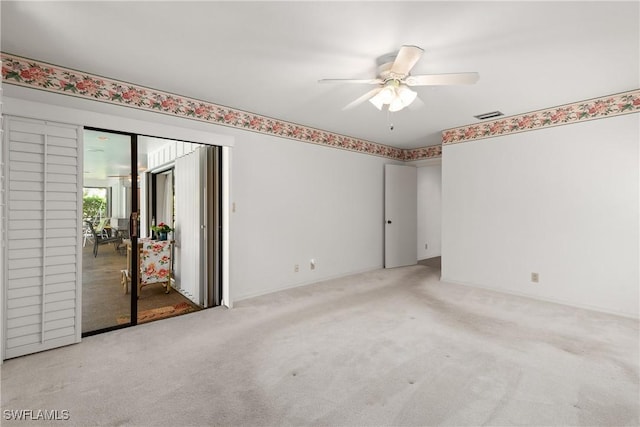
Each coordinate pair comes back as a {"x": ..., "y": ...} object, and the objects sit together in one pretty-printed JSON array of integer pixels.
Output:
[{"x": 266, "y": 57}]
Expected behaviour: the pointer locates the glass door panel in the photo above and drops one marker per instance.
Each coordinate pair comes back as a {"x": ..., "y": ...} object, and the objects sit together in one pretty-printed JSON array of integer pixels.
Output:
[{"x": 107, "y": 205}]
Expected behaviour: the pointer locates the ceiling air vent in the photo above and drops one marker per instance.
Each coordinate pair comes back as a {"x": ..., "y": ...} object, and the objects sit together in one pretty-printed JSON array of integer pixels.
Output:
[{"x": 490, "y": 115}]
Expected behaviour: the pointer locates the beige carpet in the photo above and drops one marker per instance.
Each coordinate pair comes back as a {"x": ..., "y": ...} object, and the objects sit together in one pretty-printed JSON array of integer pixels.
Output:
[{"x": 389, "y": 347}]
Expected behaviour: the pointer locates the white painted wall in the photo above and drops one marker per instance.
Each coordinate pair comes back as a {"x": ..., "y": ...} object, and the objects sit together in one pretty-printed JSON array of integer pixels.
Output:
[
  {"x": 562, "y": 202},
  {"x": 429, "y": 210},
  {"x": 295, "y": 202}
]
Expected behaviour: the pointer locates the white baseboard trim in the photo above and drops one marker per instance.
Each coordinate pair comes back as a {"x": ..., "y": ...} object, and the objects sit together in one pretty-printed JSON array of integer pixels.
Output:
[
  {"x": 306, "y": 283},
  {"x": 634, "y": 316}
]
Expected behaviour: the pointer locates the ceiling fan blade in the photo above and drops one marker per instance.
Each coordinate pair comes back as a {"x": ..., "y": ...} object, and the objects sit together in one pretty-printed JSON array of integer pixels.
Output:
[
  {"x": 406, "y": 59},
  {"x": 359, "y": 81},
  {"x": 442, "y": 79},
  {"x": 362, "y": 99}
]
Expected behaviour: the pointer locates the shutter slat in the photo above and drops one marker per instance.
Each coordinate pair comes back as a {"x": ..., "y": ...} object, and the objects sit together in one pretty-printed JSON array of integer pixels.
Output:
[
  {"x": 60, "y": 260},
  {"x": 15, "y": 313},
  {"x": 23, "y": 273},
  {"x": 26, "y": 205},
  {"x": 27, "y": 176},
  {"x": 61, "y": 287},
  {"x": 26, "y": 214},
  {"x": 26, "y": 186},
  {"x": 62, "y": 187},
  {"x": 69, "y": 142},
  {"x": 63, "y": 169},
  {"x": 61, "y": 177},
  {"x": 50, "y": 243},
  {"x": 59, "y": 324},
  {"x": 60, "y": 232},
  {"x": 56, "y": 131},
  {"x": 26, "y": 157},
  {"x": 59, "y": 314},
  {"x": 24, "y": 321},
  {"x": 24, "y": 302},
  {"x": 22, "y": 331},
  {"x": 61, "y": 296},
  {"x": 62, "y": 241},
  {"x": 26, "y": 167},
  {"x": 26, "y": 147},
  {"x": 38, "y": 214},
  {"x": 26, "y": 195},
  {"x": 52, "y": 279},
  {"x": 23, "y": 283},
  {"x": 59, "y": 333},
  {"x": 24, "y": 234},
  {"x": 22, "y": 341},
  {"x": 61, "y": 160},
  {"x": 62, "y": 151},
  {"x": 18, "y": 136},
  {"x": 59, "y": 305},
  {"x": 25, "y": 292},
  {"x": 37, "y": 127},
  {"x": 25, "y": 264},
  {"x": 60, "y": 269},
  {"x": 57, "y": 205},
  {"x": 63, "y": 197},
  {"x": 16, "y": 224},
  {"x": 26, "y": 253}
]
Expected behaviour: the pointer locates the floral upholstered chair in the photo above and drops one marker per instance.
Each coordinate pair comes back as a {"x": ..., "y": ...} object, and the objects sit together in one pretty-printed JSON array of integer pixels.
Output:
[{"x": 154, "y": 260}]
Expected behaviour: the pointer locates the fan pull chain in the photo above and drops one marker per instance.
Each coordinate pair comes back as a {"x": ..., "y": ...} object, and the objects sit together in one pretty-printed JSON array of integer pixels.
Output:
[{"x": 389, "y": 120}]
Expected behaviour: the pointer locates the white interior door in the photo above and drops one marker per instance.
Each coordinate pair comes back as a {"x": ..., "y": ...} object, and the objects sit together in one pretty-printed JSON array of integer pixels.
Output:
[{"x": 400, "y": 210}]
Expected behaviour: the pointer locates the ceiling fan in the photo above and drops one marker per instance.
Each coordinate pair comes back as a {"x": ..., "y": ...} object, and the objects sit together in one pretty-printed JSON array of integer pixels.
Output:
[{"x": 394, "y": 80}]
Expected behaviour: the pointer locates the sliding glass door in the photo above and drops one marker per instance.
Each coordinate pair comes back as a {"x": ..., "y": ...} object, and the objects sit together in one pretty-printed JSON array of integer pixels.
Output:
[{"x": 152, "y": 229}]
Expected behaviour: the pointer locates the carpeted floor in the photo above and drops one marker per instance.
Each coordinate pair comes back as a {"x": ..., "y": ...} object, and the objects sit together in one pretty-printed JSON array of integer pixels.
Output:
[{"x": 388, "y": 347}]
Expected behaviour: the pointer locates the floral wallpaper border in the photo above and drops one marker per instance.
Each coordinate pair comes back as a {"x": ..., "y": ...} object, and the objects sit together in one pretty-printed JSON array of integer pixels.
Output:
[
  {"x": 597, "y": 108},
  {"x": 21, "y": 71},
  {"x": 430, "y": 152}
]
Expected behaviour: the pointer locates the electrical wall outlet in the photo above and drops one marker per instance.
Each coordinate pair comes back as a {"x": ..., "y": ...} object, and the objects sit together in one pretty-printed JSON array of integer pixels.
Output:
[
  {"x": 296, "y": 268},
  {"x": 312, "y": 264},
  {"x": 535, "y": 277},
  {"x": 426, "y": 246}
]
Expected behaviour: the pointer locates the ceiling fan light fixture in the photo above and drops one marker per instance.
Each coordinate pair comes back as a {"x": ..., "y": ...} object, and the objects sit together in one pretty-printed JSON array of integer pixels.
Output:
[
  {"x": 396, "y": 105},
  {"x": 388, "y": 94},
  {"x": 407, "y": 95},
  {"x": 377, "y": 102},
  {"x": 385, "y": 96}
]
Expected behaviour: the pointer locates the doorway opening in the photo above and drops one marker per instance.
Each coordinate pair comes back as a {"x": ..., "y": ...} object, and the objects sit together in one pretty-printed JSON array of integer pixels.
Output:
[{"x": 132, "y": 271}]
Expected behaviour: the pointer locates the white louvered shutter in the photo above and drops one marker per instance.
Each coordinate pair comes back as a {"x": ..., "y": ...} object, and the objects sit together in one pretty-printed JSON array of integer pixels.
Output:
[{"x": 43, "y": 256}]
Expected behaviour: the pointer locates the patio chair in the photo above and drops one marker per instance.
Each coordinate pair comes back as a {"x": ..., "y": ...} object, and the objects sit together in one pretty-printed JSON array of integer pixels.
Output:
[{"x": 100, "y": 239}]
